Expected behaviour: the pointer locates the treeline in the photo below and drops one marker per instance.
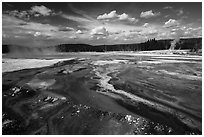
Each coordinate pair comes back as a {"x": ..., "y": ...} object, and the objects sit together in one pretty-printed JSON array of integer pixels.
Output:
[
  {"x": 5, "y": 49},
  {"x": 192, "y": 44}
]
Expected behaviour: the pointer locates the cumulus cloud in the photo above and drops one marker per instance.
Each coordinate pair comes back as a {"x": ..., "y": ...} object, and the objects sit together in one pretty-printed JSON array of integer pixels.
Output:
[
  {"x": 149, "y": 14},
  {"x": 114, "y": 16},
  {"x": 42, "y": 10},
  {"x": 36, "y": 34},
  {"x": 79, "y": 32},
  {"x": 110, "y": 15},
  {"x": 125, "y": 16},
  {"x": 20, "y": 14},
  {"x": 35, "y": 11},
  {"x": 99, "y": 31},
  {"x": 171, "y": 23}
]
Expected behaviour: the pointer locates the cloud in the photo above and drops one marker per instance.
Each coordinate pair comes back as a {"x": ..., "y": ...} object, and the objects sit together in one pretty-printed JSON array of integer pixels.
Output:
[
  {"x": 79, "y": 32},
  {"x": 20, "y": 14},
  {"x": 146, "y": 24},
  {"x": 110, "y": 15},
  {"x": 75, "y": 18},
  {"x": 152, "y": 32},
  {"x": 171, "y": 23},
  {"x": 149, "y": 31},
  {"x": 174, "y": 29},
  {"x": 180, "y": 12},
  {"x": 149, "y": 14},
  {"x": 36, "y": 34},
  {"x": 35, "y": 11},
  {"x": 42, "y": 10},
  {"x": 99, "y": 31},
  {"x": 114, "y": 16},
  {"x": 80, "y": 12},
  {"x": 197, "y": 31},
  {"x": 83, "y": 22},
  {"x": 11, "y": 21},
  {"x": 32, "y": 33},
  {"x": 126, "y": 17},
  {"x": 136, "y": 30},
  {"x": 142, "y": 33},
  {"x": 166, "y": 16},
  {"x": 116, "y": 38},
  {"x": 116, "y": 32},
  {"x": 123, "y": 16},
  {"x": 73, "y": 37},
  {"x": 66, "y": 29},
  {"x": 105, "y": 27},
  {"x": 39, "y": 27},
  {"x": 173, "y": 33},
  {"x": 168, "y": 7},
  {"x": 13, "y": 26}
]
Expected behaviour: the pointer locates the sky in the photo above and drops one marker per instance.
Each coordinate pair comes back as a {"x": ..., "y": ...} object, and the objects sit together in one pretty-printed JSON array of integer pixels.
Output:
[{"x": 49, "y": 24}]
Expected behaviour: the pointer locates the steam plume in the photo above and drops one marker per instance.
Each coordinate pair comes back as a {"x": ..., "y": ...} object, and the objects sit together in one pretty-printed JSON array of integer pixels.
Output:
[
  {"x": 173, "y": 43},
  {"x": 20, "y": 51}
]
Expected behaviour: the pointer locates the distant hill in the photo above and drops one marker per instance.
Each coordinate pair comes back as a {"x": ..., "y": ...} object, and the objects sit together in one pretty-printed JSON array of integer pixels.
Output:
[{"x": 192, "y": 44}]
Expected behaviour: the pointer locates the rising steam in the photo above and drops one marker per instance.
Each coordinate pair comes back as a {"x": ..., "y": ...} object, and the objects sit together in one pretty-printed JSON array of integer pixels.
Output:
[
  {"x": 30, "y": 52},
  {"x": 173, "y": 43}
]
